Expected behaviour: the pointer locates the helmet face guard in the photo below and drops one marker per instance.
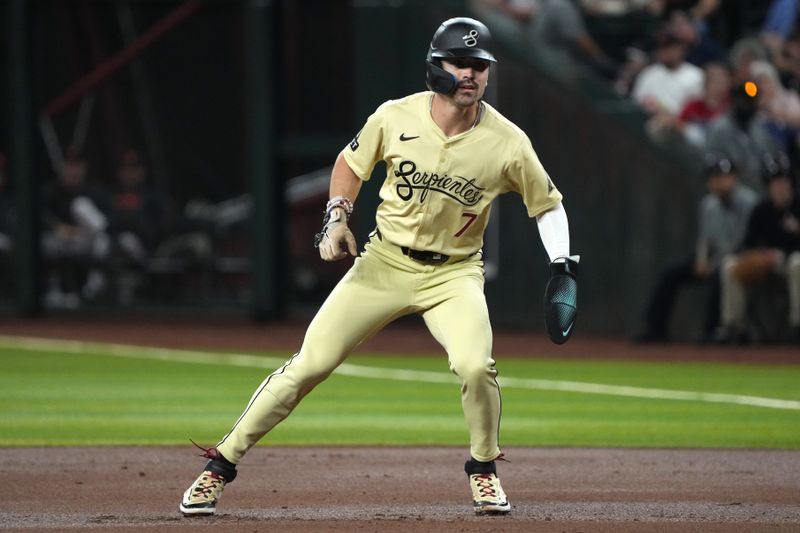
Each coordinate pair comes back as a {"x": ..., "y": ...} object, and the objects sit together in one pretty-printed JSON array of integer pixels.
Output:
[{"x": 456, "y": 37}]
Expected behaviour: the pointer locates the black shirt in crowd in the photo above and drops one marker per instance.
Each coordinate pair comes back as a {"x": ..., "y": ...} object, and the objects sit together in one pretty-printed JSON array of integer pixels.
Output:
[{"x": 770, "y": 227}]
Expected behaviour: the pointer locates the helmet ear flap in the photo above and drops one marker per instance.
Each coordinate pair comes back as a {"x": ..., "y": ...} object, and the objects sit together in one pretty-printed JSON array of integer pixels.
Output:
[{"x": 438, "y": 79}]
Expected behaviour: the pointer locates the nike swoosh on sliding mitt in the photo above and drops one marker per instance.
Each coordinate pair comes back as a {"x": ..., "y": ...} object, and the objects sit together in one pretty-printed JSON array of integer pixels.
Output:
[{"x": 561, "y": 299}]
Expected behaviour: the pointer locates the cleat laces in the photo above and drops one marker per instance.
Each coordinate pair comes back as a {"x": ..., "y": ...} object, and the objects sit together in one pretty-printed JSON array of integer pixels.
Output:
[
  {"x": 486, "y": 487},
  {"x": 208, "y": 486},
  {"x": 208, "y": 453}
]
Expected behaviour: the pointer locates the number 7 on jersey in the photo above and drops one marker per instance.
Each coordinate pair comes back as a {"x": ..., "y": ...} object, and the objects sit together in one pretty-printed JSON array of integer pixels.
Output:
[{"x": 470, "y": 219}]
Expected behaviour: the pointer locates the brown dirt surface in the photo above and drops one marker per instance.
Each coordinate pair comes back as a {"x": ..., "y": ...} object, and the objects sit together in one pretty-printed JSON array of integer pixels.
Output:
[
  {"x": 404, "y": 489},
  {"x": 396, "y": 489}
]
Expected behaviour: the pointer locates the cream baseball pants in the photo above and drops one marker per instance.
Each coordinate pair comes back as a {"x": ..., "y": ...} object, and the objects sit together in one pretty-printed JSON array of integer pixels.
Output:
[{"x": 382, "y": 285}]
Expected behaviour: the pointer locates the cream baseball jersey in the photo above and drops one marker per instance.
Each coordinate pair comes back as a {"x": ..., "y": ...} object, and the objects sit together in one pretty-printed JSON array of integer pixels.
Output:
[{"x": 438, "y": 190}]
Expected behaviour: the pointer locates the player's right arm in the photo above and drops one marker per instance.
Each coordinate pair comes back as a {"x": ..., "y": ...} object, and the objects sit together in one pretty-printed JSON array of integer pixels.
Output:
[
  {"x": 353, "y": 165},
  {"x": 336, "y": 236},
  {"x": 344, "y": 182}
]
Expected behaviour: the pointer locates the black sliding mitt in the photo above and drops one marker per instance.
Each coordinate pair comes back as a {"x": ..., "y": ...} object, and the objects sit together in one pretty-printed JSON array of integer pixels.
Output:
[{"x": 561, "y": 299}]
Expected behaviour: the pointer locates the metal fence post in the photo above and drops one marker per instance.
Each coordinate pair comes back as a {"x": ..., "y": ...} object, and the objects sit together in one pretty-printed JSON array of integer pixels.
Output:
[
  {"x": 27, "y": 256},
  {"x": 261, "y": 153}
]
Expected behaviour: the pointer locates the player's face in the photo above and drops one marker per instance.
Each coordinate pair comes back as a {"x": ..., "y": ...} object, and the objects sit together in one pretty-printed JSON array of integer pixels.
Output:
[{"x": 472, "y": 75}]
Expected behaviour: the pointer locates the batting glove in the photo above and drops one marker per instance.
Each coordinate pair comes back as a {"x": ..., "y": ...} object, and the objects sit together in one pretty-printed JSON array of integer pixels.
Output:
[
  {"x": 561, "y": 299},
  {"x": 335, "y": 235}
]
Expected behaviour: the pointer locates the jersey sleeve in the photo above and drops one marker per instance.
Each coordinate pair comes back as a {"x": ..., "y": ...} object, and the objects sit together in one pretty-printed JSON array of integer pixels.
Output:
[
  {"x": 527, "y": 176},
  {"x": 366, "y": 148}
]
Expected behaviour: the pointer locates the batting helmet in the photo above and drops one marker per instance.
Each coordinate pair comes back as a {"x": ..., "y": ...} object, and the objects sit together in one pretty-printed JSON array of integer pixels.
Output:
[{"x": 456, "y": 37}]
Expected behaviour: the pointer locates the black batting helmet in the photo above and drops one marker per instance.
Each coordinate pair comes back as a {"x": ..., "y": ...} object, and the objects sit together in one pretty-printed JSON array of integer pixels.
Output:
[{"x": 456, "y": 37}]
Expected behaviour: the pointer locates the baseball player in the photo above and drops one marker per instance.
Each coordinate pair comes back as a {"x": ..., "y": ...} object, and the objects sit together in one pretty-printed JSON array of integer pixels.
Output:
[{"x": 448, "y": 155}]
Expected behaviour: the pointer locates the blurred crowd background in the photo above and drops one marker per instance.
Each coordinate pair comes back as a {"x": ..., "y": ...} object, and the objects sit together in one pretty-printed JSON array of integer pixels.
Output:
[{"x": 174, "y": 155}]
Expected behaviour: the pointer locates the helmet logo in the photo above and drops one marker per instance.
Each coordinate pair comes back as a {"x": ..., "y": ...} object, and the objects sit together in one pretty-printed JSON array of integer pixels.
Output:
[{"x": 471, "y": 39}]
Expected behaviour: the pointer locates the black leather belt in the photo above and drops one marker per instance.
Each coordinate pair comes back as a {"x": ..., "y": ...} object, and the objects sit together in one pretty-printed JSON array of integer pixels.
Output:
[
  {"x": 425, "y": 257},
  {"x": 421, "y": 256}
]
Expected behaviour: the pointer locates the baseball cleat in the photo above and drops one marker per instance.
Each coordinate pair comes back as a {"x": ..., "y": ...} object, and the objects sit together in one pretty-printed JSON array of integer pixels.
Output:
[
  {"x": 201, "y": 498},
  {"x": 487, "y": 494}
]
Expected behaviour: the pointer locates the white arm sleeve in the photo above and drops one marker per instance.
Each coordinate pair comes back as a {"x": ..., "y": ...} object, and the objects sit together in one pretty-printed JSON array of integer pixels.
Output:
[{"x": 554, "y": 232}]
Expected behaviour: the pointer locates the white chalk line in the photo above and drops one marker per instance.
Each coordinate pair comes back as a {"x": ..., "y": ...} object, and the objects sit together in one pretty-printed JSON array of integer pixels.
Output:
[{"x": 361, "y": 371}]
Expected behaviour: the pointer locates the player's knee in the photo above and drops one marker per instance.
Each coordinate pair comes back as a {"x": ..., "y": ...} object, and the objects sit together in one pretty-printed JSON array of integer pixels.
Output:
[
  {"x": 473, "y": 371},
  {"x": 313, "y": 365}
]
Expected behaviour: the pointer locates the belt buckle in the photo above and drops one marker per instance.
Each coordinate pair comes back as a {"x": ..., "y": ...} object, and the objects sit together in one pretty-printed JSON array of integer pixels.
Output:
[
  {"x": 437, "y": 258},
  {"x": 428, "y": 258}
]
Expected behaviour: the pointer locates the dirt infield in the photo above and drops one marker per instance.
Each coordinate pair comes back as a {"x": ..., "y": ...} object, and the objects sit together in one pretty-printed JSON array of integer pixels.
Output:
[
  {"x": 396, "y": 489},
  {"x": 404, "y": 489}
]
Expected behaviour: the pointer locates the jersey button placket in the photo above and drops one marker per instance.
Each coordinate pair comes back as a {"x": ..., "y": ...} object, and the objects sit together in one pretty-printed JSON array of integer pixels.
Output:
[{"x": 424, "y": 223}]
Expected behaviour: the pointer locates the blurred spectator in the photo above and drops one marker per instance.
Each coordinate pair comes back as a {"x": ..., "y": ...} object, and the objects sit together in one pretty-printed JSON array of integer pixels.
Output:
[
  {"x": 771, "y": 248},
  {"x": 621, "y": 7},
  {"x": 620, "y": 24},
  {"x": 780, "y": 107},
  {"x": 722, "y": 219},
  {"x": 778, "y": 26},
  {"x": 192, "y": 235},
  {"x": 506, "y": 17},
  {"x": 554, "y": 29},
  {"x": 742, "y": 55},
  {"x": 701, "y": 48},
  {"x": 670, "y": 82},
  {"x": 137, "y": 215},
  {"x": 698, "y": 9},
  {"x": 789, "y": 64},
  {"x": 636, "y": 59},
  {"x": 559, "y": 34},
  {"x": 521, "y": 11},
  {"x": 698, "y": 113},
  {"x": 136, "y": 212},
  {"x": 75, "y": 243},
  {"x": 743, "y": 134}
]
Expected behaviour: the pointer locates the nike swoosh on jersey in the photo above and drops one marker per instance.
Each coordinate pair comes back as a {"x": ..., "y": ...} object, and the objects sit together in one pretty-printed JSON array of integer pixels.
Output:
[
  {"x": 404, "y": 138},
  {"x": 566, "y": 331}
]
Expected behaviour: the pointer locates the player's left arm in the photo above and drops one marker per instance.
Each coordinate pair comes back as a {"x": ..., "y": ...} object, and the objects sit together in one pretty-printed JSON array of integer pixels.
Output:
[
  {"x": 527, "y": 176},
  {"x": 561, "y": 294}
]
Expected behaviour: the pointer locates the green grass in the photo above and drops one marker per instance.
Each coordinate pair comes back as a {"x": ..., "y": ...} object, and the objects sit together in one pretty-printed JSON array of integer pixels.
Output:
[{"x": 49, "y": 398}]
